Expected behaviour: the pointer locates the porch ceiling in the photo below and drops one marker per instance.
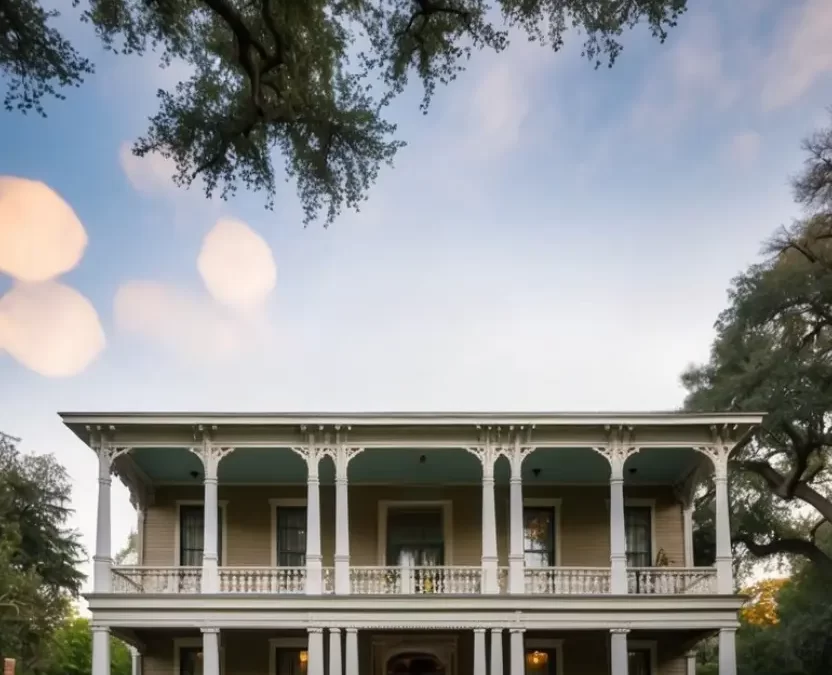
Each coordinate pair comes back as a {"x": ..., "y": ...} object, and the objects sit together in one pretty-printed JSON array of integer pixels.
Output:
[{"x": 416, "y": 466}]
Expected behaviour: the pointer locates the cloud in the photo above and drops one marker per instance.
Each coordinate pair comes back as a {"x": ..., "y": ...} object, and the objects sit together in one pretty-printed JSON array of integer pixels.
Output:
[
  {"x": 801, "y": 56},
  {"x": 236, "y": 265},
  {"x": 743, "y": 148},
  {"x": 189, "y": 324},
  {"x": 40, "y": 235},
  {"x": 151, "y": 175},
  {"x": 50, "y": 328}
]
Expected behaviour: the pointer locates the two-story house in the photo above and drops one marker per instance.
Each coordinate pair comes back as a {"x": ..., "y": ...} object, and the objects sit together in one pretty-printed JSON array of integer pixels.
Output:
[{"x": 413, "y": 544}]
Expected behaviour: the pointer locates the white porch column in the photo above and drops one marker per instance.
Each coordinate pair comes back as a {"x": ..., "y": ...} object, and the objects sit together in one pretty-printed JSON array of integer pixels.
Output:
[
  {"x": 496, "y": 651},
  {"x": 619, "y": 662},
  {"x": 516, "y": 559},
  {"x": 518, "y": 652},
  {"x": 135, "y": 661},
  {"x": 479, "y": 650},
  {"x": 687, "y": 527},
  {"x": 352, "y": 652},
  {"x": 100, "y": 650},
  {"x": 103, "y": 558},
  {"x": 314, "y": 560},
  {"x": 210, "y": 651},
  {"x": 690, "y": 663},
  {"x": 315, "y": 665},
  {"x": 618, "y": 541},
  {"x": 336, "y": 666},
  {"x": 343, "y": 455},
  {"x": 141, "y": 512},
  {"x": 489, "y": 530},
  {"x": 724, "y": 570},
  {"x": 728, "y": 651}
]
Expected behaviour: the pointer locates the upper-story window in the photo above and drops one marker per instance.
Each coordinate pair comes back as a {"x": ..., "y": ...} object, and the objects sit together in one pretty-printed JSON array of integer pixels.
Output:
[
  {"x": 192, "y": 535},
  {"x": 415, "y": 537},
  {"x": 291, "y": 536},
  {"x": 638, "y": 527},
  {"x": 639, "y": 662},
  {"x": 539, "y": 536}
]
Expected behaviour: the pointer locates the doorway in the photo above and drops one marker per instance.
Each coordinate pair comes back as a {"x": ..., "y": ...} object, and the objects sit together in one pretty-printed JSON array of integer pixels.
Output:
[{"x": 415, "y": 663}]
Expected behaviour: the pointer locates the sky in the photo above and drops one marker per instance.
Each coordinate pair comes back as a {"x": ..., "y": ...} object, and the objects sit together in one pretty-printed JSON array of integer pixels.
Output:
[{"x": 553, "y": 237}]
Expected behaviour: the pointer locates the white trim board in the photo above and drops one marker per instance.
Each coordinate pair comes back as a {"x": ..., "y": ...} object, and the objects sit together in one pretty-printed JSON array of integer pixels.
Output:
[
  {"x": 222, "y": 505},
  {"x": 274, "y": 505},
  {"x": 446, "y": 505}
]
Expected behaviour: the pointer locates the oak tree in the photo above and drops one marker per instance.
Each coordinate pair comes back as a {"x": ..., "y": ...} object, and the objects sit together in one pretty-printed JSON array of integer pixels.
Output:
[{"x": 309, "y": 78}]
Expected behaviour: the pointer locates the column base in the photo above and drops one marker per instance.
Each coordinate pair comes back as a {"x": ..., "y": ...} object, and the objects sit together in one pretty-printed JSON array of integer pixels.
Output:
[
  {"x": 210, "y": 576},
  {"x": 314, "y": 576},
  {"x": 618, "y": 576},
  {"x": 490, "y": 582},
  {"x": 102, "y": 570},
  {"x": 516, "y": 575},
  {"x": 342, "y": 575}
]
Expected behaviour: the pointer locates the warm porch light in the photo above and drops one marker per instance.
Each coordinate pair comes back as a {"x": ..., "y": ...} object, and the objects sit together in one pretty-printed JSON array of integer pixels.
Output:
[
  {"x": 303, "y": 657},
  {"x": 537, "y": 659}
]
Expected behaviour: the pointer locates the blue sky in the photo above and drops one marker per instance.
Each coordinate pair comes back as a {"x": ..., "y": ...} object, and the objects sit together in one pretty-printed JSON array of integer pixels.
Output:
[{"x": 553, "y": 237}]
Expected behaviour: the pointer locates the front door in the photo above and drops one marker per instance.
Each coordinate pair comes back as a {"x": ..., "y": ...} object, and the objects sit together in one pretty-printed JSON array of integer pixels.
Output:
[{"x": 415, "y": 664}]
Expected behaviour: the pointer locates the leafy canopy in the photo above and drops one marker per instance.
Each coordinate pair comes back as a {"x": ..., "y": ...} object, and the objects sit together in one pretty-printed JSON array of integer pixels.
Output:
[
  {"x": 38, "y": 555},
  {"x": 309, "y": 78},
  {"x": 773, "y": 353}
]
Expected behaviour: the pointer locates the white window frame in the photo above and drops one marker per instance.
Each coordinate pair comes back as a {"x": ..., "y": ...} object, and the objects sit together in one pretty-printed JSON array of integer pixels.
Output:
[
  {"x": 274, "y": 505},
  {"x": 549, "y": 643},
  {"x": 285, "y": 643},
  {"x": 534, "y": 502},
  {"x": 179, "y": 643},
  {"x": 222, "y": 505},
  {"x": 384, "y": 506},
  {"x": 651, "y": 646},
  {"x": 654, "y": 548}
]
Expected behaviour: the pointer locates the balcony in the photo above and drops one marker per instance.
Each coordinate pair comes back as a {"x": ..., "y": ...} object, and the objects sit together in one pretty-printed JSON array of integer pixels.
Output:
[{"x": 416, "y": 581}]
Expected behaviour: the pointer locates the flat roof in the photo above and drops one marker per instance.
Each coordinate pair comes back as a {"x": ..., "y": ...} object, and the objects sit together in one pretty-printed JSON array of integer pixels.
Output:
[{"x": 660, "y": 418}]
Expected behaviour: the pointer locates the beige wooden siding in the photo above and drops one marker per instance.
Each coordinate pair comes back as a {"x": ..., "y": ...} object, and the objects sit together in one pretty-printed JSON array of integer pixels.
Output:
[{"x": 583, "y": 520}]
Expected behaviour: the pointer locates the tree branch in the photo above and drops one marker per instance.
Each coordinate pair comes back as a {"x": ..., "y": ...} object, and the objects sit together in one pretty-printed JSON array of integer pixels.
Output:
[
  {"x": 787, "y": 546},
  {"x": 802, "y": 491}
]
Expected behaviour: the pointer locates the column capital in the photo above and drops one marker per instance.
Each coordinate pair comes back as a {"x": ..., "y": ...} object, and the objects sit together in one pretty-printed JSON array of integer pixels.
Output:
[
  {"x": 334, "y": 629},
  {"x": 619, "y": 631},
  {"x": 97, "y": 627},
  {"x": 351, "y": 630},
  {"x": 210, "y": 629},
  {"x": 211, "y": 455},
  {"x": 480, "y": 630},
  {"x": 314, "y": 629},
  {"x": 619, "y": 447},
  {"x": 107, "y": 454},
  {"x": 512, "y": 442},
  {"x": 516, "y": 630}
]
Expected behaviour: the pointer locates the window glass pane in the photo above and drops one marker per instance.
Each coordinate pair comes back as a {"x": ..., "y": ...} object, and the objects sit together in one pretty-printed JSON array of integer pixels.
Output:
[
  {"x": 291, "y": 661},
  {"x": 291, "y": 536},
  {"x": 638, "y": 536},
  {"x": 539, "y": 536},
  {"x": 639, "y": 662},
  {"x": 190, "y": 661},
  {"x": 192, "y": 534},
  {"x": 415, "y": 538}
]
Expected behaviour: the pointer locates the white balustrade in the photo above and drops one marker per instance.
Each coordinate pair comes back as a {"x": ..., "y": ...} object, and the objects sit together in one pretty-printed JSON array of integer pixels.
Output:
[
  {"x": 415, "y": 580},
  {"x": 262, "y": 579},
  {"x": 502, "y": 579},
  {"x": 672, "y": 580},
  {"x": 567, "y": 580},
  {"x": 136, "y": 579}
]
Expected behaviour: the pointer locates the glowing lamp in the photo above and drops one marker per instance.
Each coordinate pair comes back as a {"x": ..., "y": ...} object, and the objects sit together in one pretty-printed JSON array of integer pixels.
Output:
[{"x": 536, "y": 659}]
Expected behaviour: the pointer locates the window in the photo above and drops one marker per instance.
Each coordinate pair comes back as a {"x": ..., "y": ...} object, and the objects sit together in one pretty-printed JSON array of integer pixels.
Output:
[
  {"x": 291, "y": 661},
  {"x": 291, "y": 536},
  {"x": 415, "y": 537},
  {"x": 639, "y": 661},
  {"x": 539, "y": 536},
  {"x": 192, "y": 534},
  {"x": 638, "y": 527},
  {"x": 190, "y": 660}
]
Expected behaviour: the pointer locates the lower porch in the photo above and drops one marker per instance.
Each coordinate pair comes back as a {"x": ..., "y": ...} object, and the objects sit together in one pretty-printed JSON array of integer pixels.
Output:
[{"x": 404, "y": 652}]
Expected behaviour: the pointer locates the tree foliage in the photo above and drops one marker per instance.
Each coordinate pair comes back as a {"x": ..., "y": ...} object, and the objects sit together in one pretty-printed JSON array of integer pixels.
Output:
[
  {"x": 38, "y": 555},
  {"x": 309, "y": 78},
  {"x": 773, "y": 354},
  {"x": 71, "y": 651},
  {"x": 761, "y": 608}
]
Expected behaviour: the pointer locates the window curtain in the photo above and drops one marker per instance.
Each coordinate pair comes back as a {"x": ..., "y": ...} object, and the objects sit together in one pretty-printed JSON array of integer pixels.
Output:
[
  {"x": 192, "y": 535},
  {"x": 637, "y": 526}
]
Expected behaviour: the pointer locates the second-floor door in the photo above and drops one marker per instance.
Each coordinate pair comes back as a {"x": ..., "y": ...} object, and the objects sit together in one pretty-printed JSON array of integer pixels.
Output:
[
  {"x": 192, "y": 535},
  {"x": 415, "y": 537}
]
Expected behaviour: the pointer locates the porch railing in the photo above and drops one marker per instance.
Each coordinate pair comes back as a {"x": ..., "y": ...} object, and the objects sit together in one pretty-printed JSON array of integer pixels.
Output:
[
  {"x": 262, "y": 579},
  {"x": 567, "y": 580},
  {"x": 136, "y": 579},
  {"x": 671, "y": 580},
  {"x": 415, "y": 580}
]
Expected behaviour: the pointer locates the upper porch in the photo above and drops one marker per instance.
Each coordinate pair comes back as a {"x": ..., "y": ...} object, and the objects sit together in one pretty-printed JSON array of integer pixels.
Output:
[{"x": 528, "y": 504}]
